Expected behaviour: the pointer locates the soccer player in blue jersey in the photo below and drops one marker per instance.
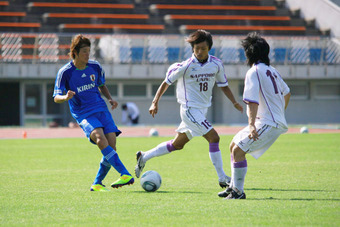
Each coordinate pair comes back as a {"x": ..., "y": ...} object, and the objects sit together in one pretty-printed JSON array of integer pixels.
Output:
[{"x": 80, "y": 82}]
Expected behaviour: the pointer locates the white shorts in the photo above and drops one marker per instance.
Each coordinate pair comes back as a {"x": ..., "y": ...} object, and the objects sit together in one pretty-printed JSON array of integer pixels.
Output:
[
  {"x": 267, "y": 136},
  {"x": 194, "y": 122}
]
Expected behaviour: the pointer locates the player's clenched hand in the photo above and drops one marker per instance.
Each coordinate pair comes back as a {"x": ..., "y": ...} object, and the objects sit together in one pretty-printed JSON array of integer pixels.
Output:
[
  {"x": 253, "y": 133},
  {"x": 153, "y": 109},
  {"x": 113, "y": 103},
  {"x": 69, "y": 95}
]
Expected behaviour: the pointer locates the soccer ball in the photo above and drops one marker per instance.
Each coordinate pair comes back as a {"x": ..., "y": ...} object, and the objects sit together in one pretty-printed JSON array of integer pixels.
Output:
[
  {"x": 304, "y": 130},
  {"x": 150, "y": 181},
  {"x": 153, "y": 132}
]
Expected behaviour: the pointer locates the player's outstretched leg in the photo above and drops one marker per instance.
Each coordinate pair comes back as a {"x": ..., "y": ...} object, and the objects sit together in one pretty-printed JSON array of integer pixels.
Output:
[{"x": 140, "y": 163}]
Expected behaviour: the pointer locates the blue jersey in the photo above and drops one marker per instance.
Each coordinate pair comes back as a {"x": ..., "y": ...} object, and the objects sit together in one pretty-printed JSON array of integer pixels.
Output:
[{"x": 84, "y": 83}]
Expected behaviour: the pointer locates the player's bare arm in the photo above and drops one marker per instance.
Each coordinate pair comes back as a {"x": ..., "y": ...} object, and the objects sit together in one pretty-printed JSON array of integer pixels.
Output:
[
  {"x": 105, "y": 91},
  {"x": 226, "y": 90},
  {"x": 64, "y": 98},
  {"x": 251, "y": 120},
  {"x": 287, "y": 98},
  {"x": 154, "y": 105}
]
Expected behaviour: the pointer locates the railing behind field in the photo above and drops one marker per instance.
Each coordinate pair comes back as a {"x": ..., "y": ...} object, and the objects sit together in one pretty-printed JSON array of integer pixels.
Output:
[{"x": 162, "y": 49}]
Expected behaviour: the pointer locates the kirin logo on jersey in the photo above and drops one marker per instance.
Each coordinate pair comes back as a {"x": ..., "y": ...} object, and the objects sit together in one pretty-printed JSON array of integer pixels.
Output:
[{"x": 93, "y": 77}]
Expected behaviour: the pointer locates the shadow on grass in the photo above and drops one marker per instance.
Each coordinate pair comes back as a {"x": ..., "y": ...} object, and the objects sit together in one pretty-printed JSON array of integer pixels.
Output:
[
  {"x": 172, "y": 192},
  {"x": 291, "y": 190},
  {"x": 288, "y": 190},
  {"x": 294, "y": 199}
]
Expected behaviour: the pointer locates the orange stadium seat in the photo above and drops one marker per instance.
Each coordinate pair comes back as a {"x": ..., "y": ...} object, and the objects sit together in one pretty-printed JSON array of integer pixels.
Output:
[
  {"x": 4, "y": 3},
  {"x": 80, "y": 5},
  {"x": 105, "y": 18},
  {"x": 41, "y": 7},
  {"x": 12, "y": 14},
  {"x": 231, "y": 29},
  {"x": 212, "y": 9},
  {"x": 130, "y": 27},
  {"x": 226, "y": 19},
  {"x": 19, "y": 26}
]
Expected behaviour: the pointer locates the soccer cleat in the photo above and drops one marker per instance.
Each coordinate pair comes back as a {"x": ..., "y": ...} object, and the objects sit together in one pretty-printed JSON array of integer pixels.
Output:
[
  {"x": 99, "y": 188},
  {"x": 122, "y": 181},
  {"x": 140, "y": 163},
  {"x": 225, "y": 183},
  {"x": 236, "y": 194},
  {"x": 225, "y": 193}
]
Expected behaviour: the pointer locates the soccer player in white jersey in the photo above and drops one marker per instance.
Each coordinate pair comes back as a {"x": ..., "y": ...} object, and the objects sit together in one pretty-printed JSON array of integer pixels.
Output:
[
  {"x": 195, "y": 81},
  {"x": 267, "y": 96}
]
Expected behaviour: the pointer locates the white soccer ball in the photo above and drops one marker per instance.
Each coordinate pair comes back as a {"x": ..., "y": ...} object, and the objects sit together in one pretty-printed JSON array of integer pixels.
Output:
[
  {"x": 304, "y": 130},
  {"x": 150, "y": 181},
  {"x": 153, "y": 132}
]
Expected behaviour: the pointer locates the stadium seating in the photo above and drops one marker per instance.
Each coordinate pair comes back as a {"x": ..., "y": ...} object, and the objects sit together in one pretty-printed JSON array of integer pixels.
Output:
[
  {"x": 109, "y": 28},
  {"x": 40, "y": 7},
  {"x": 155, "y": 18},
  {"x": 87, "y": 18},
  {"x": 177, "y": 19},
  {"x": 211, "y": 9},
  {"x": 12, "y": 16}
]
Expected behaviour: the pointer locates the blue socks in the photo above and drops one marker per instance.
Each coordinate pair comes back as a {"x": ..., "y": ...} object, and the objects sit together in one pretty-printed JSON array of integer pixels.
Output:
[
  {"x": 109, "y": 159},
  {"x": 104, "y": 168}
]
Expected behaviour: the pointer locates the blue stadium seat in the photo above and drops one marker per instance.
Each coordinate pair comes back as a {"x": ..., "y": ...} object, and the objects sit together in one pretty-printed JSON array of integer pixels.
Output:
[
  {"x": 242, "y": 55},
  {"x": 137, "y": 54},
  {"x": 315, "y": 55},
  {"x": 212, "y": 51},
  {"x": 280, "y": 55},
  {"x": 173, "y": 54}
]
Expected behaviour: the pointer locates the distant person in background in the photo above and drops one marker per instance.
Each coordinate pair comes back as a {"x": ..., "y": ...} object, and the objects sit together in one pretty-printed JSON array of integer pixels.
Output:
[
  {"x": 130, "y": 113},
  {"x": 80, "y": 82},
  {"x": 195, "y": 78},
  {"x": 267, "y": 96}
]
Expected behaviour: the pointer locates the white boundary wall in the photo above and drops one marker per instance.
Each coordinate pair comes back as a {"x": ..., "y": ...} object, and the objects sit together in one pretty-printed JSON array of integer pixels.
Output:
[{"x": 325, "y": 13}]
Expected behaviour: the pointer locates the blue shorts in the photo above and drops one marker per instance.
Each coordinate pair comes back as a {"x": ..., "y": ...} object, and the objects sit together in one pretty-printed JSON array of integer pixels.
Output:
[{"x": 98, "y": 120}]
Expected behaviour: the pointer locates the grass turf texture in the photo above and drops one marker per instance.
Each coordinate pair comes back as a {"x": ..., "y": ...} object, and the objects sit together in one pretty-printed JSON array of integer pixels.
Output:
[{"x": 47, "y": 182}]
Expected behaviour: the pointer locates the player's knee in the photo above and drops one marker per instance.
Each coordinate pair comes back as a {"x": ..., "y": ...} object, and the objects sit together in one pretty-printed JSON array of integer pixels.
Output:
[
  {"x": 178, "y": 146},
  {"x": 215, "y": 139},
  {"x": 231, "y": 147},
  {"x": 238, "y": 154},
  {"x": 100, "y": 140}
]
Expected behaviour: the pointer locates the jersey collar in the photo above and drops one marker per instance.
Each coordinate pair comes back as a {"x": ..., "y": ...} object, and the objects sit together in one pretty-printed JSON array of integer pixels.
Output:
[{"x": 195, "y": 60}]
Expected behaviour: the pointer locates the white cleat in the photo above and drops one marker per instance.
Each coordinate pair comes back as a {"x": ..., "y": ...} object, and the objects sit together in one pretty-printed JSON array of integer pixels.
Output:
[{"x": 140, "y": 163}]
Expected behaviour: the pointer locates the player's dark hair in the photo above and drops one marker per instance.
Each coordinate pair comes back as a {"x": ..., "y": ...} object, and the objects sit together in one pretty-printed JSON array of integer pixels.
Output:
[
  {"x": 198, "y": 37},
  {"x": 78, "y": 42},
  {"x": 124, "y": 106},
  {"x": 256, "y": 49}
]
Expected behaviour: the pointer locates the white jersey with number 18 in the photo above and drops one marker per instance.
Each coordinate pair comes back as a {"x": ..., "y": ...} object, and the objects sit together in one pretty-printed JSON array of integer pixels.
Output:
[
  {"x": 195, "y": 80},
  {"x": 264, "y": 86}
]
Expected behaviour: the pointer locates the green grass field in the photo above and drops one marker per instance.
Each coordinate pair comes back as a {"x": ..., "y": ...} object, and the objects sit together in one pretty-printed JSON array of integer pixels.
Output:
[{"x": 47, "y": 181}]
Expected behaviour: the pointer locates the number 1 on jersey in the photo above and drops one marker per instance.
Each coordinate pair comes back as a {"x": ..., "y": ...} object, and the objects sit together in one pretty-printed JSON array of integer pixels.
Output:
[{"x": 269, "y": 73}]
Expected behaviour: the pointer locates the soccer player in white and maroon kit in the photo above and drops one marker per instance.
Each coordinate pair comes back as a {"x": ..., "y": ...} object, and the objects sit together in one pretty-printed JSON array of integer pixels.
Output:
[
  {"x": 195, "y": 78},
  {"x": 267, "y": 97}
]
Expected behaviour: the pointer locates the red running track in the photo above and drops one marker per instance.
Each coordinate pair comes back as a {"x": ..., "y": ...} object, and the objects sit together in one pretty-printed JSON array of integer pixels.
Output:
[{"x": 17, "y": 133}]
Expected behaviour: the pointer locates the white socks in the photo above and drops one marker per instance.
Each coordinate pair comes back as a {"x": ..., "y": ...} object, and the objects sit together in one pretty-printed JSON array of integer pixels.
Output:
[
  {"x": 216, "y": 159},
  {"x": 239, "y": 172},
  {"x": 161, "y": 149}
]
